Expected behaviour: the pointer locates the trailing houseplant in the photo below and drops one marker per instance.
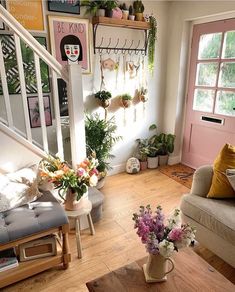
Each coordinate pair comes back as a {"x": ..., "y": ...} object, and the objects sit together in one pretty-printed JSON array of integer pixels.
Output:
[
  {"x": 152, "y": 36},
  {"x": 100, "y": 138},
  {"x": 104, "y": 98},
  {"x": 138, "y": 9},
  {"x": 126, "y": 100}
]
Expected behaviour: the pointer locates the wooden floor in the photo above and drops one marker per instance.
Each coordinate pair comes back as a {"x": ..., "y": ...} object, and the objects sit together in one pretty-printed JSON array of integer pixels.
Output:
[{"x": 115, "y": 242}]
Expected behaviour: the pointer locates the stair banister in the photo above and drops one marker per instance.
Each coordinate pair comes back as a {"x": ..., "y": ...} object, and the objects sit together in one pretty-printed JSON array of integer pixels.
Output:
[{"x": 13, "y": 24}]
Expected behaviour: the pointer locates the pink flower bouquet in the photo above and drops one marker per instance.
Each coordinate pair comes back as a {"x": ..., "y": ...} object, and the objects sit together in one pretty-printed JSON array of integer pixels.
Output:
[{"x": 160, "y": 237}]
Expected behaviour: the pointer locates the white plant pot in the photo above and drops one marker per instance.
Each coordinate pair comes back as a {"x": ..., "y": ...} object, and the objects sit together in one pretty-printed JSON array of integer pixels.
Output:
[
  {"x": 100, "y": 12},
  {"x": 131, "y": 17},
  {"x": 153, "y": 162},
  {"x": 125, "y": 14}
]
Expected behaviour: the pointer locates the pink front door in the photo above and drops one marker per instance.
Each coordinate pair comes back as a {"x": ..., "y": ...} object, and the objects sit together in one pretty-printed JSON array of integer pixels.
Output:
[{"x": 210, "y": 111}]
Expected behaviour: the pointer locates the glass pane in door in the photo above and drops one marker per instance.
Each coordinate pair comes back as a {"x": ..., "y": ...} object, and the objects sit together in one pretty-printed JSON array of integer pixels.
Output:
[
  {"x": 206, "y": 74},
  {"x": 225, "y": 103},
  {"x": 229, "y": 45},
  {"x": 227, "y": 75},
  {"x": 203, "y": 100},
  {"x": 209, "y": 46}
]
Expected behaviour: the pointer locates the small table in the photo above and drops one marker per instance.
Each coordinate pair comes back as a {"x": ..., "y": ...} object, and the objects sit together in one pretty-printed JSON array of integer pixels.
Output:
[
  {"x": 191, "y": 274},
  {"x": 85, "y": 210}
]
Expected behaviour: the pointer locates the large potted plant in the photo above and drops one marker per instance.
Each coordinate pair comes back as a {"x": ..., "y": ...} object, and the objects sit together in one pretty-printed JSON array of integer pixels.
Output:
[
  {"x": 100, "y": 138},
  {"x": 166, "y": 146},
  {"x": 153, "y": 146}
]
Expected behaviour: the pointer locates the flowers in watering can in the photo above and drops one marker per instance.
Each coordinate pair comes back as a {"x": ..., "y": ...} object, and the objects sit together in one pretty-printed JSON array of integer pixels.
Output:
[
  {"x": 160, "y": 237},
  {"x": 58, "y": 172}
]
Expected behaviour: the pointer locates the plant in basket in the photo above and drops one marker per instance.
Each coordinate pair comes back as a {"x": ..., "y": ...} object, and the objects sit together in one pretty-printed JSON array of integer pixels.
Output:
[
  {"x": 71, "y": 184},
  {"x": 104, "y": 98},
  {"x": 161, "y": 239}
]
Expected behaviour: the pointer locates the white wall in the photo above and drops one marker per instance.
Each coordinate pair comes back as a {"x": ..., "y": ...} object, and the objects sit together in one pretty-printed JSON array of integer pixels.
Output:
[{"x": 181, "y": 15}]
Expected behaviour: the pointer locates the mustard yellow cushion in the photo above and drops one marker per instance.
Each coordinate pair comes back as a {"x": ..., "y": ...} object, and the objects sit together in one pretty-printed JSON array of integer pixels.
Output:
[{"x": 220, "y": 187}]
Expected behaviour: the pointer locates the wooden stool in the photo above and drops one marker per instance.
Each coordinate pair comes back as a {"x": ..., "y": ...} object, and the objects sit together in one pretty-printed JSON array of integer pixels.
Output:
[{"x": 85, "y": 210}]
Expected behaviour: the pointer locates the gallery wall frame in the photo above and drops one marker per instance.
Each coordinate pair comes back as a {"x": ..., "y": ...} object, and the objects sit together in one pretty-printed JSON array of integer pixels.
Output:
[
  {"x": 64, "y": 6},
  {"x": 28, "y": 13},
  {"x": 61, "y": 28},
  {"x": 11, "y": 67},
  {"x": 34, "y": 115}
]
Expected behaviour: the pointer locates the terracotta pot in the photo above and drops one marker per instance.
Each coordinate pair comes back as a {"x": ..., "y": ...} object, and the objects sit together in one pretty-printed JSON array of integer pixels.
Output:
[
  {"x": 152, "y": 162},
  {"x": 163, "y": 159},
  {"x": 156, "y": 268},
  {"x": 71, "y": 202},
  {"x": 143, "y": 165},
  {"x": 143, "y": 98},
  {"x": 125, "y": 103},
  {"x": 139, "y": 16},
  {"x": 105, "y": 103}
]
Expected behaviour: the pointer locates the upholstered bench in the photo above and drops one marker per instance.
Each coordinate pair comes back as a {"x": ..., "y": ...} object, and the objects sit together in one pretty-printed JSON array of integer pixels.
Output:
[{"x": 40, "y": 218}]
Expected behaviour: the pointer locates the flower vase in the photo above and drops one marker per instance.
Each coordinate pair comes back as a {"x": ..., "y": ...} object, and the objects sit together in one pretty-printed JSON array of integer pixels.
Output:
[
  {"x": 156, "y": 268},
  {"x": 71, "y": 203}
]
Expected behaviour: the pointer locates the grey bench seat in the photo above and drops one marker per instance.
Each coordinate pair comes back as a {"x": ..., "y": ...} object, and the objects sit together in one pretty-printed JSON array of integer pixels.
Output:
[{"x": 38, "y": 216}]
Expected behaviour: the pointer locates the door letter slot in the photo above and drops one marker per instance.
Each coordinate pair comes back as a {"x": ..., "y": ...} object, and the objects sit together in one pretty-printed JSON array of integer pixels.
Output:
[{"x": 212, "y": 120}]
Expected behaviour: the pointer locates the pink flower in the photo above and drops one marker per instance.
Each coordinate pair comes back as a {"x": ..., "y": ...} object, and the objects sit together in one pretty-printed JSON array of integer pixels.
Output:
[
  {"x": 80, "y": 171},
  {"x": 175, "y": 234}
]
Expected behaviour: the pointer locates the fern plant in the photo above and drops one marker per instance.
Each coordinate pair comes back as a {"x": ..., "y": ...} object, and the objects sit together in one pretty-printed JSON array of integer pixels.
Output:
[{"x": 152, "y": 36}]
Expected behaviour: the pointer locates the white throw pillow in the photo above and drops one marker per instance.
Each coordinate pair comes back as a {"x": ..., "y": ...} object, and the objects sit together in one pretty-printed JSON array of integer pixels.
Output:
[
  {"x": 18, "y": 188},
  {"x": 231, "y": 177}
]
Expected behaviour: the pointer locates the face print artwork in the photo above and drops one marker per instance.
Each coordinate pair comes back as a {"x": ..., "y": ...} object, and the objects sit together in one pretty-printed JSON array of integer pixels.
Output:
[{"x": 71, "y": 49}]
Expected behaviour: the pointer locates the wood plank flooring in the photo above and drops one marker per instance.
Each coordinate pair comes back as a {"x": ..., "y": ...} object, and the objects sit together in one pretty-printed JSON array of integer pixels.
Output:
[{"x": 115, "y": 243}]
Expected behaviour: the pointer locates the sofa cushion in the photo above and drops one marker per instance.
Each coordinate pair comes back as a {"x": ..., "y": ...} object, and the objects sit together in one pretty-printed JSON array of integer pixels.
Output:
[
  {"x": 220, "y": 187},
  {"x": 231, "y": 177},
  {"x": 40, "y": 215},
  {"x": 216, "y": 215}
]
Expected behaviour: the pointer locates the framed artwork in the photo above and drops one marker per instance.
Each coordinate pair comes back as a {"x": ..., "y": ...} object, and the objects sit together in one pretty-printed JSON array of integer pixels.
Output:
[
  {"x": 10, "y": 61},
  {"x": 63, "y": 97},
  {"x": 34, "y": 115},
  {"x": 66, "y": 6},
  {"x": 28, "y": 13},
  {"x": 70, "y": 41}
]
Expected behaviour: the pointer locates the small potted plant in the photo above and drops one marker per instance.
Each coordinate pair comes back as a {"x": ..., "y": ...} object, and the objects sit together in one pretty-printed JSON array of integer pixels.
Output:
[
  {"x": 125, "y": 11},
  {"x": 104, "y": 98},
  {"x": 153, "y": 145},
  {"x": 109, "y": 6},
  {"x": 138, "y": 9},
  {"x": 131, "y": 13},
  {"x": 143, "y": 151},
  {"x": 94, "y": 7},
  {"x": 126, "y": 100},
  {"x": 142, "y": 94},
  {"x": 165, "y": 147}
]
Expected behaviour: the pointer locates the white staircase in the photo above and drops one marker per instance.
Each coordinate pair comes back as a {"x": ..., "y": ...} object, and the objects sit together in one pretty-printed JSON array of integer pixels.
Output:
[{"x": 71, "y": 74}]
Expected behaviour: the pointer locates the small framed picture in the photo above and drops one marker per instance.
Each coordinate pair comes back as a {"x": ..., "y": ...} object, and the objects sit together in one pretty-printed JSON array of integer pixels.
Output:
[
  {"x": 63, "y": 97},
  {"x": 34, "y": 115},
  {"x": 66, "y": 6}
]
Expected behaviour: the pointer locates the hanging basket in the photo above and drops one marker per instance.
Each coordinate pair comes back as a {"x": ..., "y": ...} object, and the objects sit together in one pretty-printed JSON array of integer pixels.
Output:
[
  {"x": 125, "y": 103},
  {"x": 143, "y": 98},
  {"x": 104, "y": 103}
]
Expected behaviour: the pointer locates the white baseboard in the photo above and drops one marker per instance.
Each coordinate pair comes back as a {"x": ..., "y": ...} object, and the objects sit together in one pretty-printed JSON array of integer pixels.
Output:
[
  {"x": 174, "y": 160},
  {"x": 117, "y": 169}
]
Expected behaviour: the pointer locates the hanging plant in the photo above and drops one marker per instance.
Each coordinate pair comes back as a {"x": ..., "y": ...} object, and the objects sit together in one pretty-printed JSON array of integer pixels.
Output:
[
  {"x": 126, "y": 100},
  {"x": 152, "y": 36},
  {"x": 104, "y": 98}
]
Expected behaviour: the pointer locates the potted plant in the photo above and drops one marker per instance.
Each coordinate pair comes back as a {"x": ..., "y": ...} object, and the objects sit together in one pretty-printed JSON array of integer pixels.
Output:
[
  {"x": 131, "y": 13},
  {"x": 142, "y": 153},
  {"x": 142, "y": 94},
  {"x": 109, "y": 6},
  {"x": 126, "y": 100},
  {"x": 153, "y": 145},
  {"x": 125, "y": 11},
  {"x": 166, "y": 146},
  {"x": 151, "y": 42},
  {"x": 138, "y": 9},
  {"x": 94, "y": 7},
  {"x": 100, "y": 138},
  {"x": 104, "y": 98}
]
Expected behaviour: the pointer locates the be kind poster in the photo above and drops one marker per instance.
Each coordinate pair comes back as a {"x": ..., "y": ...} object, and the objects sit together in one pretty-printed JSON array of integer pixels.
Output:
[{"x": 70, "y": 32}]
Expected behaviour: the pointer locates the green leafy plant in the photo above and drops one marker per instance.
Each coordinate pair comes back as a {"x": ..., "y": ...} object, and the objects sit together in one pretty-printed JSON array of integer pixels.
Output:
[
  {"x": 131, "y": 10},
  {"x": 93, "y": 5},
  {"x": 100, "y": 138},
  {"x": 166, "y": 143},
  {"x": 138, "y": 6},
  {"x": 152, "y": 36},
  {"x": 143, "y": 149},
  {"x": 103, "y": 95},
  {"x": 126, "y": 96},
  {"x": 109, "y": 5}
]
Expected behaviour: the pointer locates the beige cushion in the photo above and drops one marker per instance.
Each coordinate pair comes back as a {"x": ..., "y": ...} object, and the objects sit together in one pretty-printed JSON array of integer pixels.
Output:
[
  {"x": 231, "y": 177},
  {"x": 216, "y": 215},
  {"x": 18, "y": 188},
  {"x": 202, "y": 178}
]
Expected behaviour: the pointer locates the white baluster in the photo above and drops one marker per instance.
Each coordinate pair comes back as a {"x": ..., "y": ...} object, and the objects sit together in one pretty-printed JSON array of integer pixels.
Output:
[{"x": 23, "y": 87}]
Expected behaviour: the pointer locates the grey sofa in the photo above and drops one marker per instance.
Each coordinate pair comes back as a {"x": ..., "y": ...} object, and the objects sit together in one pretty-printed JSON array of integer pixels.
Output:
[{"x": 214, "y": 219}]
